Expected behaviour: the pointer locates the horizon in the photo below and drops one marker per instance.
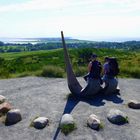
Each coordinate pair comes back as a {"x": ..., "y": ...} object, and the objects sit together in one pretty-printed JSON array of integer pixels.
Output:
[
  {"x": 30, "y": 39},
  {"x": 86, "y": 20}
]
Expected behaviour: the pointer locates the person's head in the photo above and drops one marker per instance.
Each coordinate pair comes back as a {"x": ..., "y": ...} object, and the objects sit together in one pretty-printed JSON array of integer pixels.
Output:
[
  {"x": 93, "y": 57},
  {"x": 106, "y": 59}
]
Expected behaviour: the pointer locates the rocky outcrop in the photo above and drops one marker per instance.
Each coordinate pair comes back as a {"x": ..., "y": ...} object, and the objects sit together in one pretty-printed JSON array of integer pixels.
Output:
[{"x": 112, "y": 86}]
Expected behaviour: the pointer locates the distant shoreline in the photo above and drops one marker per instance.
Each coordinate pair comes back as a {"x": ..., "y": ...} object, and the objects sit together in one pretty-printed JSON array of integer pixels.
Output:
[{"x": 50, "y": 39}]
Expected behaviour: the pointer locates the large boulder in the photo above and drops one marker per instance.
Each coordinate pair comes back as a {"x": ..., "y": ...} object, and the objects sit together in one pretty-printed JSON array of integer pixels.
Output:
[
  {"x": 40, "y": 122},
  {"x": 117, "y": 117},
  {"x": 134, "y": 104},
  {"x": 111, "y": 87},
  {"x": 2, "y": 99},
  {"x": 93, "y": 122},
  {"x": 92, "y": 88},
  {"x": 13, "y": 116},
  {"x": 5, "y": 107}
]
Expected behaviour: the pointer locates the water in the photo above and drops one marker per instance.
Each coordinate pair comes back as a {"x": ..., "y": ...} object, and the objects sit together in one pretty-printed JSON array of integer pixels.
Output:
[
  {"x": 44, "y": 40},
  {"x": 19, "y": 40}
]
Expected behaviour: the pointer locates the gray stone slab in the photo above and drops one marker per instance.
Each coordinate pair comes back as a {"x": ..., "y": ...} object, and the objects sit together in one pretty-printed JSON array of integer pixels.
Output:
[{"x": 49, "y": 97}]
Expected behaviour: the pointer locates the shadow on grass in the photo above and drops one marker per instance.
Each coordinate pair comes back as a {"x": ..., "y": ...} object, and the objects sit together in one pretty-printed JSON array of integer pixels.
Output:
[{"x": 97, "y": 100}]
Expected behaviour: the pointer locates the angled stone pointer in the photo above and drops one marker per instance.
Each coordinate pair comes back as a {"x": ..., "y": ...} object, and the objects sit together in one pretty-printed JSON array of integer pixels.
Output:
[{"x": 93, "y": 86}]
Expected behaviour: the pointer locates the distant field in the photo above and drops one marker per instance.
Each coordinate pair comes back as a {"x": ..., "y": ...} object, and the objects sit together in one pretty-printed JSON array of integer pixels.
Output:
[{"x": 50, "y": 63}]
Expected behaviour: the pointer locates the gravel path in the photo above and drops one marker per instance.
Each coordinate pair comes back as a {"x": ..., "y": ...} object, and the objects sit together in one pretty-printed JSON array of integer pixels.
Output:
[{"x": 49, "y": 97}]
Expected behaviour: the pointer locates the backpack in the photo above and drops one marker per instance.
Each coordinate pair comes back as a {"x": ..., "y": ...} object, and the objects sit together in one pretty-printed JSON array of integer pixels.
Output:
[
  {"x": 113, "y": 67},
  {"x": 96, "y": 69}
]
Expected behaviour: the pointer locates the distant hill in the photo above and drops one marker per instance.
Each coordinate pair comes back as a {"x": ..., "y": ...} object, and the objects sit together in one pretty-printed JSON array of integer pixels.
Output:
[{"x": 51, "y": 62}]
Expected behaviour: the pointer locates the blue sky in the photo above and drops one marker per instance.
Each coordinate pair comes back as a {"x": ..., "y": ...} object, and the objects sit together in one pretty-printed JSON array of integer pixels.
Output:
[{"x": 83, "y": 19}]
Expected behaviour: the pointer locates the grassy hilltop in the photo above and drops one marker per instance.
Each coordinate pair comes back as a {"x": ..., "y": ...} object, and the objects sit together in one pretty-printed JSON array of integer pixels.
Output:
[{"x": 50, "y": 63}]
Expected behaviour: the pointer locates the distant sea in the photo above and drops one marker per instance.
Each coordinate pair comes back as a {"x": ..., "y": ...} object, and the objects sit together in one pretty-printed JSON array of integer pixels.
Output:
[
  {"x": 122, "y": 39},
  {"x": 43, "y": 40},
  {"x": 20, "y": 40}
]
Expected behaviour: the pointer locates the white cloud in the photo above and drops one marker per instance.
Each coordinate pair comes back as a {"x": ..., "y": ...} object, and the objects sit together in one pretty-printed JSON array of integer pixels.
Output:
[
  {"x": 79, "y": 27},
  {"x": 33, "y": 5},
  {"x": 96, "y": 18},
  {"x": 96, "y": 5}
]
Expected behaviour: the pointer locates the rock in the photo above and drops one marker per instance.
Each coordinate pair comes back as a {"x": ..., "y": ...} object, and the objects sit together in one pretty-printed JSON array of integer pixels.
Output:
[
  {"x": 2, "y": 99},
  {"x": 5, "y": 107},
  {"x": 13, "y": 116},
  {"x": 67, "y": 124},
  {"x": 112, "y": 86},
  {"x": 40, "y": 122},
  {"x": 93, "y": 122},
  {"x": 134, "y": 104},
  {"x": 66, "y": 119},
  {"x": 117, "y": 117}
]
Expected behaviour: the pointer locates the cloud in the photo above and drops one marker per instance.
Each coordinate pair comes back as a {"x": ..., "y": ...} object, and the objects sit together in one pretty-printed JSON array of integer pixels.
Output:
[
  {"x": 75, "y": 17},
  {"x": 33, "y": 5},
  {"x": 96, "y": 6},
  {"x": 78, "y": 26}
]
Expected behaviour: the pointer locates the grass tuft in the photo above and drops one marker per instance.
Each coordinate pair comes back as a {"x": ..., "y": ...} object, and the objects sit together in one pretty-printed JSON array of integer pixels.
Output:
[
  {"x": 2, "y": 117},
  {"x": 68, "y": 128},
  {"x": 101, "y": 126},
  {"x": 32, "y": 124}
]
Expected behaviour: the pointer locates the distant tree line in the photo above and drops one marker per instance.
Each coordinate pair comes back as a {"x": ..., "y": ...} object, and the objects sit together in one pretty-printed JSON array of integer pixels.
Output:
[{"x": 10, "y": 47}]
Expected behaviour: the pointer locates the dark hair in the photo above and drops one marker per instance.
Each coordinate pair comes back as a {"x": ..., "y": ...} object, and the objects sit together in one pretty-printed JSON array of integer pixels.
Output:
[
  {"x": 106, "y": 58},
  {"x": 93, "y": 55}
]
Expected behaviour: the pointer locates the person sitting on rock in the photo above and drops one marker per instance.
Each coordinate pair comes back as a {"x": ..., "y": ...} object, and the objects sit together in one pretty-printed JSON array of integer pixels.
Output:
[
  {"x": 110, "y": 72},
  {"x": 94, "y": 69}
]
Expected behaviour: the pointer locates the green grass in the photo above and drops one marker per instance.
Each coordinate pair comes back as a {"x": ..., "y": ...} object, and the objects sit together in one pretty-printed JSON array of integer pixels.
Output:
[
  {"x": 101, "y": 126},
  {"x": 2, "y": 117},
  {"x": 50, "y": 63},
  {"x": 68, "y": 128},
  {"x": 52, "y": 71},
  {"x": 32, "y": 121}
]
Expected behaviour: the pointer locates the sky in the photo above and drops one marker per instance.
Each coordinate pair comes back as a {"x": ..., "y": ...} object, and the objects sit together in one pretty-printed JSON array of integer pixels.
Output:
[{"x": 82, "y": 19}]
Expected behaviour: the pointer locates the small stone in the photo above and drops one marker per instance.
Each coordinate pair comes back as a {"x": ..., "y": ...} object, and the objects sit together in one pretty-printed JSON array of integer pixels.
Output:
[
  {"x": 13, "y": 116},
  {"x": 66, "y": 119},
  {"x": 5, "y": 107},
  {"x": 93, "y": 122},
  {"x": 40, "y": 122},
  {"x": 117, "y": 117},
  {"x": 67, "y": 124},
  {"x": 134, "y": 104},
  {"x": 2, "y": 99}
]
